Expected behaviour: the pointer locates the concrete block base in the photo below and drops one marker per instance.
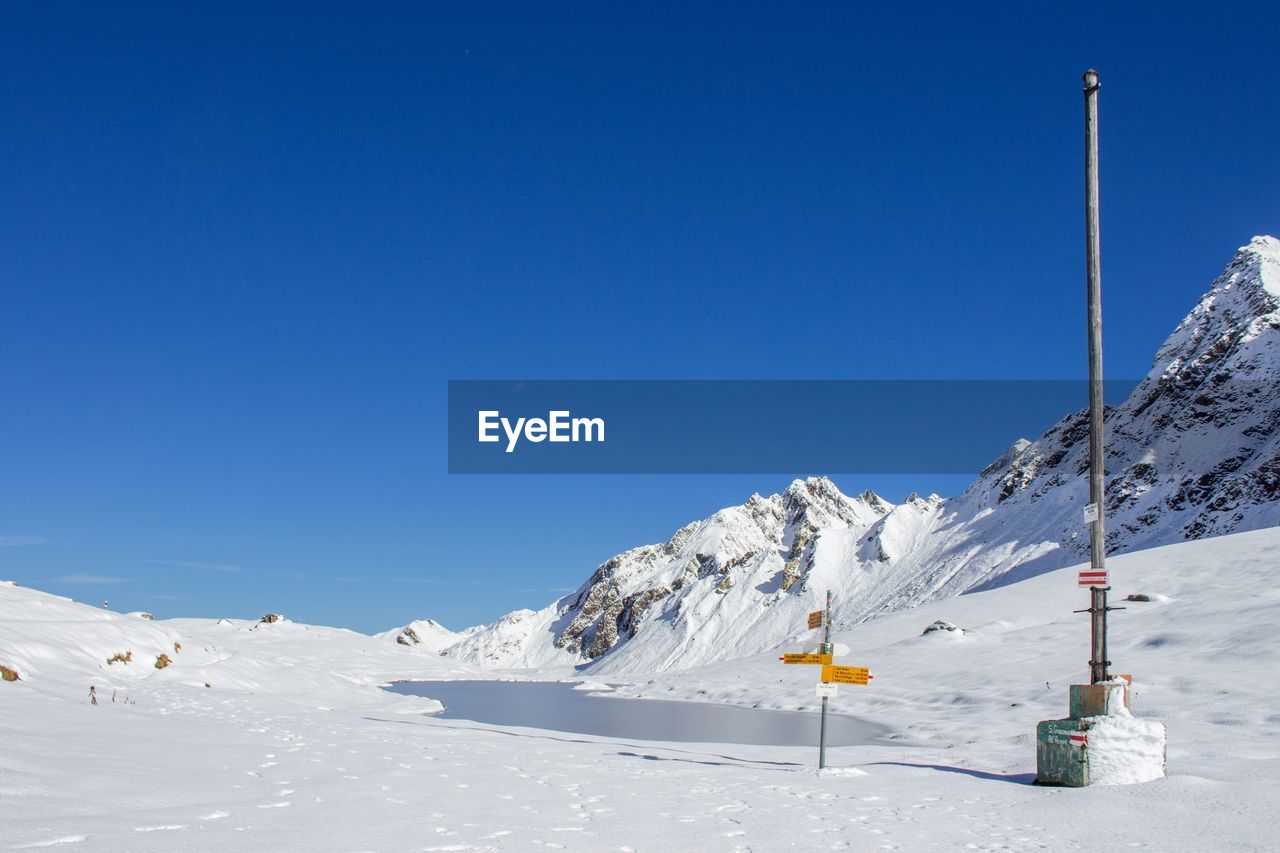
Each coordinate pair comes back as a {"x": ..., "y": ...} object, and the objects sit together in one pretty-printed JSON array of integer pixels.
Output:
[
  {"x": 1058, "y": 760},
  {"x": 1096, "y": 700},
  {"x": 1101, "y": 742}
]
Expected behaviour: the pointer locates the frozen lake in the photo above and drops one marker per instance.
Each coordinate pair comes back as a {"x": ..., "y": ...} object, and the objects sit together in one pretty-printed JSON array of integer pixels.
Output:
[{"x": 558, "y": 707}]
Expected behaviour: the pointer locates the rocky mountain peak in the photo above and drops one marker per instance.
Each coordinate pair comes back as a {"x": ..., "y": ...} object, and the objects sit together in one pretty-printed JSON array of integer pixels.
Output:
[
  {"x": 818, "y": 502},
  {"x": 874, "y": 502},
  {"x": 1242, "y": 303}
]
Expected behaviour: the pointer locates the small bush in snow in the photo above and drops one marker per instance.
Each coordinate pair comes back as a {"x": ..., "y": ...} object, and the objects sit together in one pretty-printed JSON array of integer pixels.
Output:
[
  {"x": 162, "y": 661},
  {"x": 1137, "y": 596},
  {"x": 120, "y": 657},
  {"x": 8, "y": 674}
]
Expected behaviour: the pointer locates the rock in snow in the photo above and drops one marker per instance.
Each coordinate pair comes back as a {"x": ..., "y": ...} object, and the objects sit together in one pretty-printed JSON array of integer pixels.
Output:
[{"x": 1193, "y": 452}]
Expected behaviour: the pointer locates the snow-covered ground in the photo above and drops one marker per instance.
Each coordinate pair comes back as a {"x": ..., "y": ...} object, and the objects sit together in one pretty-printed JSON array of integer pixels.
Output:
[{"x": 292, "y": 746}]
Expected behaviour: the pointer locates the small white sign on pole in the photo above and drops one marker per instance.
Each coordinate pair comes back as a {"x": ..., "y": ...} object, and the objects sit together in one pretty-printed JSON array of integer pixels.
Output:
[
  {"x": 1090, "y": 513},
  {"x": 826, "y": 691}
]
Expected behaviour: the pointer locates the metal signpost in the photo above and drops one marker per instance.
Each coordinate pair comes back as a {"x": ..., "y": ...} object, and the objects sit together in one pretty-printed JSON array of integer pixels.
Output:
[
  {"x": 830, "y": 675},
  {"x": 826, "y": 651},
  {"x": 845, "y": 675}
]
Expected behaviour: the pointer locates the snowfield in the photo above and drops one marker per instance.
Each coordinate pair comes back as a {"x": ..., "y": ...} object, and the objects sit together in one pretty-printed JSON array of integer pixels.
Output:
[{"x": 293, "y": 746}]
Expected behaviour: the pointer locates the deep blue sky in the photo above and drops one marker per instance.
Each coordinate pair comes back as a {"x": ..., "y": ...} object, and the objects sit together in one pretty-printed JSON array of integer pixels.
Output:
[{"x": 242, "y": 250}]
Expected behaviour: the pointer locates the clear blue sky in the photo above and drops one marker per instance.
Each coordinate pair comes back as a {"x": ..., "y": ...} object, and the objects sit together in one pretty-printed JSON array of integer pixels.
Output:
[{"x": 243, "y": 249}]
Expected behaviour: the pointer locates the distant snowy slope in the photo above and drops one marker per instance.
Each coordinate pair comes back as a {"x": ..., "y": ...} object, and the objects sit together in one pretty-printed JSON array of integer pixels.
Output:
[
  {"x": 46, "y": 638},
  {"x": 60, "y": 647},
  {"x": 1193, "y": 452},
  {"x": 425, "y": 635}
]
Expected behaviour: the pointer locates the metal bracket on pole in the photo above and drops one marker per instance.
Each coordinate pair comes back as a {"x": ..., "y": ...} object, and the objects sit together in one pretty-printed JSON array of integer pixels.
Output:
[{"x": 1109, "y": 607}]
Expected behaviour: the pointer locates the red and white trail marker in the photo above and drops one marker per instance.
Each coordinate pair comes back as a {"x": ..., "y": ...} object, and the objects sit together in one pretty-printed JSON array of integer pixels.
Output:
[
  {"x": 1079, "y": 740},
  {"x": 1092, "y": 577}
]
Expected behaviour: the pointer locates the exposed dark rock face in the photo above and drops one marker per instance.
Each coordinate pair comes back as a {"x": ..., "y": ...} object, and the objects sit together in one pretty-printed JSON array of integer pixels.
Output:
[{"x": 635, "y": 606}]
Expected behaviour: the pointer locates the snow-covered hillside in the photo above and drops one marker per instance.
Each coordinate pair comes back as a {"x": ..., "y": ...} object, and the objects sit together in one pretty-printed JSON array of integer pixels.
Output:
[
  {"x": 59, "y": 648},
  {"x": 1205, "y": 621},
  {"x": 1193, "y": 452}
]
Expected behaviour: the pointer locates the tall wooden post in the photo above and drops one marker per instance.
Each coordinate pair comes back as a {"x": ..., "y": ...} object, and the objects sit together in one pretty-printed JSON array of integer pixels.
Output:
[{"x": 1098, "y": 662}]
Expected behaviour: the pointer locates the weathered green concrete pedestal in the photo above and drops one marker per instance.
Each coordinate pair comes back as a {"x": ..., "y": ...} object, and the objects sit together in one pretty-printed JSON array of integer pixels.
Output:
[{"x": 1064, "y": 754}]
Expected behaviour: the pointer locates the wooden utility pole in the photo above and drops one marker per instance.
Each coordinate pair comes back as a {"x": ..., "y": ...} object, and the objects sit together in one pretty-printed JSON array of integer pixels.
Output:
[
  {"x": 1098, "y": 662},
  {"x": 1066, "y": 752}
]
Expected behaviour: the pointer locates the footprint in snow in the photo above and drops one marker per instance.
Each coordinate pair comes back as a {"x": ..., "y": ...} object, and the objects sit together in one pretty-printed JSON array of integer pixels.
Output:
[{"x": 52, "y": 842}]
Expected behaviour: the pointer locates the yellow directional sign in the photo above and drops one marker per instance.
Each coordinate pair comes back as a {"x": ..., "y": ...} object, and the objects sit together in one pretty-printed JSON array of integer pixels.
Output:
[
  {"x": 845, "y": 674},
  {"x": 815, "y": 619},
  {"x": 795, "y": 657}
]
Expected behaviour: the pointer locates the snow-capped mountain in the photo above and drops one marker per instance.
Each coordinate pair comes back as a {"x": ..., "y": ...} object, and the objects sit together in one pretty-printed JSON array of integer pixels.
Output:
[
  {"x": 426, "y": 635},
  {"x": 1193, "y": 452}
]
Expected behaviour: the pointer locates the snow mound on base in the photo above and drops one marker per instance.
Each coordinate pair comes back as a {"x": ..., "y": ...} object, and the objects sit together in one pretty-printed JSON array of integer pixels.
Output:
[
  {"x": 1124, "y": 750},
  {"x": 846, "y": 772}
]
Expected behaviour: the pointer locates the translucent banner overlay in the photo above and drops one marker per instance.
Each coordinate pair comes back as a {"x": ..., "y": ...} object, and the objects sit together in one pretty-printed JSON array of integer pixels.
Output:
[{"x": 751, "y": 426}]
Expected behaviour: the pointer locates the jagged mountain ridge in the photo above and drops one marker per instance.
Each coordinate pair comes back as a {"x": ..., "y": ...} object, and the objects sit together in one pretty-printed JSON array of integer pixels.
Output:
[
  {"x": 1193, "y": 452},
  {"x": 698, "y": 584}
]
